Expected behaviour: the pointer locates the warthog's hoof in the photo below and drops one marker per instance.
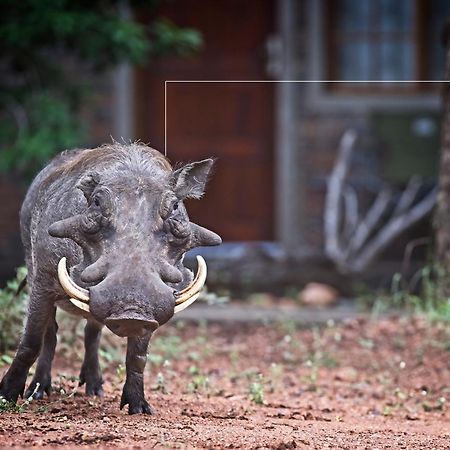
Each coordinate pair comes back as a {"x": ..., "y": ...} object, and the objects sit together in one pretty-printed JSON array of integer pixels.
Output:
[
  {"x": 10, "y": 390},
  {"x": 136, "y": 403},
  {"x": 45, "y": 386},
  {"x": 93, "y": 382}
]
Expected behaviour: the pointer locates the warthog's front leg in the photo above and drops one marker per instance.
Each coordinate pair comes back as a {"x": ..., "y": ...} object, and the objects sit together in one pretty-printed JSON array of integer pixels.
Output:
[
  {"x": 90, "y": 370},
  {"x": 40, "y": 312},
  {"x": 133, "y": 390},
  {"x": 43, "y": 375}
]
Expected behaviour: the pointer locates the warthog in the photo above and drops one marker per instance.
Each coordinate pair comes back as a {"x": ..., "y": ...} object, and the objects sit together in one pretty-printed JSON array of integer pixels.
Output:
[{"x": 105, "y": 232}]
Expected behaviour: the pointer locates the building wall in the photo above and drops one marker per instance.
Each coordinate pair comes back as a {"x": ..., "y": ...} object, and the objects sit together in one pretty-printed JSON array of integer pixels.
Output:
[
  {"x": 312, "y": 121},
  {"x": 309, "y": 124}
]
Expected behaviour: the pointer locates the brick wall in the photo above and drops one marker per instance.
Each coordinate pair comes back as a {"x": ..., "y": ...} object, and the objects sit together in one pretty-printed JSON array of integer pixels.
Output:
[
  {"x": 98, "y": 111},
  {"x": 11, "y": 252}
]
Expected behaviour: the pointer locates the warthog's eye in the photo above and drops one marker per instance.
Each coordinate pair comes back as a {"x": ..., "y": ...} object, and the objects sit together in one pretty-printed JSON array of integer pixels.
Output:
[
  {"x": 98, "y": 213},
  {"x": 101, "y": 203},
  {"x": 169, "y": 204},
  {"x": 177, "y": 222},
  {"x": 91, "y": 223}
]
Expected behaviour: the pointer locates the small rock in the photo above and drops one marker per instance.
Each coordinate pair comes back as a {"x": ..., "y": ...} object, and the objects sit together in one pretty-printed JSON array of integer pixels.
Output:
[{"x": 318, "y": 294}]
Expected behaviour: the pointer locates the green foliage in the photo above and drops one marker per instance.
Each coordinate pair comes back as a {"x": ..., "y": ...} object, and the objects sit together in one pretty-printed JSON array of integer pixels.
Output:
[
  {"x": 50, "y": 125},
  {"x": 12, "y": 308},
  {"x": 430, "y": 299},
  {"x": 8, "y": 407},
  {"x": 168, "y": 38},
  {"x": 93, "y": 30},
  {"x": 50, "y": 50}
]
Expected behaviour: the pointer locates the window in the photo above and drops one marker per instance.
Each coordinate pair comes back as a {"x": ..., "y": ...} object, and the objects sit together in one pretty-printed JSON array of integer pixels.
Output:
[{"x": 385, "y": 40}]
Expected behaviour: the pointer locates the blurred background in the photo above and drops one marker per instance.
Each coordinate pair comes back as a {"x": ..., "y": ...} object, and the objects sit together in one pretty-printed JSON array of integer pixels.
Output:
[{"x": 331, "y": 181}]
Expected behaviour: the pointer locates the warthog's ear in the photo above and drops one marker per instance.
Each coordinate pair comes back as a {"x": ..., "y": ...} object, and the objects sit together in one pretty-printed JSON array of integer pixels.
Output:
[
  {"x": 88, "y": 183},
  {"x": 189, "y": 181}
]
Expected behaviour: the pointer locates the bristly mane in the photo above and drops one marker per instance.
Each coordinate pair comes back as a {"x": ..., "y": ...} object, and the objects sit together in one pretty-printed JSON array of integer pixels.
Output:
[{"x": 136, "y": 156}]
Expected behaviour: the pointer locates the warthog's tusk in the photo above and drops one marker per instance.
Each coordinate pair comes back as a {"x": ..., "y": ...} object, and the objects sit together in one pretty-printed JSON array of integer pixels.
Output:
[
  {"x": 188, "y": 295},
  {"x": 70, "y": 287},
  {"x": 81, "y": 305},
  {"x": 185, "y": 304}
]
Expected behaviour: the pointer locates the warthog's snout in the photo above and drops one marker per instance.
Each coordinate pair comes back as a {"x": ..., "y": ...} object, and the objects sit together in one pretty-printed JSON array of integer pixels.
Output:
[
  {"x": 134, "y": 307},
  {"x": 131, "y": 326},
  {"x": 131, "y": 306}
]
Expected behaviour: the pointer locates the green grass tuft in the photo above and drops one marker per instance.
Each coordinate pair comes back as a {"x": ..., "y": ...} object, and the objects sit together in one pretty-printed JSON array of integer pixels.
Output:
[{"x": 12, "y": 311}]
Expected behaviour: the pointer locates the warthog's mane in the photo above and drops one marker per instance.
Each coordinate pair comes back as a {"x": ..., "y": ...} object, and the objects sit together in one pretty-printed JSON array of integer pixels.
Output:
[{"x": 136, "y": 158}]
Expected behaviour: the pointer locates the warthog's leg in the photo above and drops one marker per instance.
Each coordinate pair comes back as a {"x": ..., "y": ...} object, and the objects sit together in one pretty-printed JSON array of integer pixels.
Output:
[
  {"x": 43, "y": 374},
  {"x": 133, "y": 390},
  {"x": 90, "y": 370},
  {"x": 40, "y": 311}
]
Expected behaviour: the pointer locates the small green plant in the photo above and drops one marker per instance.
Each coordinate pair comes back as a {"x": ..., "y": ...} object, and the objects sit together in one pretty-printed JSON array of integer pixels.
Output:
[
  {"x": 8, "y": 407},
  {"x": 199, "y": 381},
  {"x": 66, "y": 385},
  {"x": 121, "y": 372},
  {"x": 286, "y": 327},
  {"x": 168, "y": 347},
  {"x": 369, "y": 344},
  {"x": 5, "y": 359},
  {"x": 256, "y": 390},
  {"x": 161, "y": 384},
  {"x": 155, "y": 359},
  {"x": 12, "y": 311},
  {"x": 431, "y": 299},
  {"x": 438, "y": 406},
  {"x": 311, "y": 378},
  {"x": 276, "y": 375},
  {"x": 289, "y": 348},
  {"x": 234, "y": 356},
  {"x": 318, "y": 355},
  {"x": 11, "y": 407},
  {"x": 111, "y": 350}
]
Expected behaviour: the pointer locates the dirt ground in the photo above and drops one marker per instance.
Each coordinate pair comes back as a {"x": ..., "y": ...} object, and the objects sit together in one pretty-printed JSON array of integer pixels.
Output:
[{"x": 357, "y": 385}]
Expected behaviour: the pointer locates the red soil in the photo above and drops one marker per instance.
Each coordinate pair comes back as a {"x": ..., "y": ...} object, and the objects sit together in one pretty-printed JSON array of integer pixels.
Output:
[{"x": 359, "y": 385}]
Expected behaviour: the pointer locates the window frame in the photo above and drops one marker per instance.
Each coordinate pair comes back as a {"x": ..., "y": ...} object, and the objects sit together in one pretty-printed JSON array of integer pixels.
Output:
[
  {"x": 417, "y": 34},
  {"x": 324, "y": 95}
]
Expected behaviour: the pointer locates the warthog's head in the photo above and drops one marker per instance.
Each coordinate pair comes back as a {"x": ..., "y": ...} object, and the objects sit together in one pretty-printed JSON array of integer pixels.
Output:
[{"x": 134, "y": 233}]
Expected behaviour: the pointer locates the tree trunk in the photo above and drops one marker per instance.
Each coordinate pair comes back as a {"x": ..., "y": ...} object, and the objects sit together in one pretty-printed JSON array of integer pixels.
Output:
[{"x": 443, "y": 209}]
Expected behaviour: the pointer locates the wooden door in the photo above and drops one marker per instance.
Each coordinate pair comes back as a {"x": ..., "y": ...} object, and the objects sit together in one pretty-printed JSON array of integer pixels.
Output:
[{"x": 231, "y": 121}]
